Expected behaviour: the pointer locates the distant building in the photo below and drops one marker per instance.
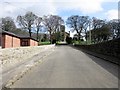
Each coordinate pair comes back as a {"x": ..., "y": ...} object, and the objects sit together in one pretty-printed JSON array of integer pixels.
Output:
[{"x": 9, "y": 40}]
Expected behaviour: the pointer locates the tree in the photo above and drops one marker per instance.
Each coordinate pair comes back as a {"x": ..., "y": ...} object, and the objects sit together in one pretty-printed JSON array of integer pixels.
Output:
[
  {"x": 84, "y": 24},
  {"x": 72, "y": 22},
  {"x": 27, "y": 21},
  {"x": 38, "y": 25},
  {"x": 105, "y": 33},
  {"x": 100, "y": 34},
  {"x": 62, "y": 32},
  {"x": 47, "y": 21},
  {"x": 52, "y": 22},
  {"x": 96, "y": 25},
  {"x": 115, "y": 28},
  {"x": 8, "y": 24},
  {"x": 69, "y": 40},
  {"x": 78, "y": 24}
]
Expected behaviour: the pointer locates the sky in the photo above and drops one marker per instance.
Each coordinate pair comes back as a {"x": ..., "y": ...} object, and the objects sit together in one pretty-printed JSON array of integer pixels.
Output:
[{"x": 102, "y": 9}]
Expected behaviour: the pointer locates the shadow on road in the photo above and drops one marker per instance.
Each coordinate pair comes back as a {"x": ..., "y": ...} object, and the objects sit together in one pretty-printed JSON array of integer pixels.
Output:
[{"x": 110, "y": 67}]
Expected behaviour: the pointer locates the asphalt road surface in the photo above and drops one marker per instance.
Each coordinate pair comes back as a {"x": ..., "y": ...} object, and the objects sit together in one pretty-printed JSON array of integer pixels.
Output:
[{"x": 68, "y": 67}]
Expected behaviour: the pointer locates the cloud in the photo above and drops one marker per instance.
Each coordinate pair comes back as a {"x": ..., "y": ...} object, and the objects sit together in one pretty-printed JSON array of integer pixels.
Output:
[
  {"x": 51, "y": 6},
  {"x": 110, "y": 0},
  {"x": 15, "y": 8},
  {"x": 84, "y": 6},
  {"x": 45, "y": 7},
  {"x": 112, "y": 14}
]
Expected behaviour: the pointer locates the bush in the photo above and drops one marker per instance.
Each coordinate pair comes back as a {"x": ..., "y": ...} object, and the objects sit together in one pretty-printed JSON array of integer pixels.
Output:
[
  {"x": 53, "y": 41},
  {"x": 69, "y": 40}
]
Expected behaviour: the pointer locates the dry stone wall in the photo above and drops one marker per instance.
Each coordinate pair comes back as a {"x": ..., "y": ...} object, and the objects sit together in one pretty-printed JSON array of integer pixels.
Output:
[{"x": 109, "y": 48}]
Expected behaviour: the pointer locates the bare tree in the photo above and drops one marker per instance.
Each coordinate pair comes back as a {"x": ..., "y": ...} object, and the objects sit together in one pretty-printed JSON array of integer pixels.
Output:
[
  {"x": 8, "y": 24},
  {"x": 27, "y": 21},
  {"x": 52, "y": 23},
  {"x": 57, "y": 23},
  {"x": 38, "y": 25},
  {"x": 97, "y": 23},
  {"x": 78, "y": 24},
  {"x": 84, "y": 23},
  {"x": 73, "y": 23},
  {"x": 115, "y": 28}
]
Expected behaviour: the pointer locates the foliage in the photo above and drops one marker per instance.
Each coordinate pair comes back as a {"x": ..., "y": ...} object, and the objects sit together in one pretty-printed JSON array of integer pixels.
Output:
[
  {"x": 69, "y": 40},
  {"x": 60, "y": 35},
  {"x": 100, "y": 34},
  {"x": 44, "y": 43}
]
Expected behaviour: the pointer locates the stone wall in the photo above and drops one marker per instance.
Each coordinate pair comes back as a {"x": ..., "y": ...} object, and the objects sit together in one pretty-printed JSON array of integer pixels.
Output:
[{"x": 109, "y": 48}]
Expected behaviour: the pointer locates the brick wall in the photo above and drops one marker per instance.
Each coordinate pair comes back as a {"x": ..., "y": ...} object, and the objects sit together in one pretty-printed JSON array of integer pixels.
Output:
[
  {"x": 2, "y": 38},
  {"x": 16, "y": 42},
  {"x": 10, "y": 41},
  {"x": 33, "y": 43},
  {"x": 36, "y": 43}
]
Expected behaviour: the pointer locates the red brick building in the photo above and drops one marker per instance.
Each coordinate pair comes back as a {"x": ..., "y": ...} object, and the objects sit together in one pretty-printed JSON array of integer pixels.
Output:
[
  {"x": 27, "y": 41},
  {"x": 9, "y": 40}
]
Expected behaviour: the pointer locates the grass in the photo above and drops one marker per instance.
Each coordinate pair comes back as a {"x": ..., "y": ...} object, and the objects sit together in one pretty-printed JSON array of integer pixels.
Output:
[{"x": 44, "y": 43}]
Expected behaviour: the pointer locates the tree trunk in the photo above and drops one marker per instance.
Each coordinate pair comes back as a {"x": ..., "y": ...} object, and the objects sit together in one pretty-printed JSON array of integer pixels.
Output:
[
  {"x": 37, "y": 36},
  {"x": 30, "y": 32},
  {"x": 37, "y": 33},
  {"x": 50, "y": 37},
  {"x": 86, "y": 37},
  {"x": 79, "y": 36}
]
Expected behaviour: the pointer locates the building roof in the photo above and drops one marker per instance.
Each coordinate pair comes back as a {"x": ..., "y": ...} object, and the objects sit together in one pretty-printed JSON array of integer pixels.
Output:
[
  {"x": 9, "y": 33},
  {"x": 12, "y": 34},
  {"x": 22, "y": 37}
]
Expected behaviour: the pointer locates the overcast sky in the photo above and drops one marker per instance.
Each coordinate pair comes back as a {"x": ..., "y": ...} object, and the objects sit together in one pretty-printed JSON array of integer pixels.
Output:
[{"x": 103, "y": 9}]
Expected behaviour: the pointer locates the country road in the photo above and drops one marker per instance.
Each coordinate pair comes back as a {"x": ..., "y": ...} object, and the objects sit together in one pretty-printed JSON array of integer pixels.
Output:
[{"x": 68, "y": 67}]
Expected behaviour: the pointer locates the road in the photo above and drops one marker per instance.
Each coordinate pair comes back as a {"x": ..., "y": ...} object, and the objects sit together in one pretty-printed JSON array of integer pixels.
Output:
[{"x": 68, "y": 67}]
